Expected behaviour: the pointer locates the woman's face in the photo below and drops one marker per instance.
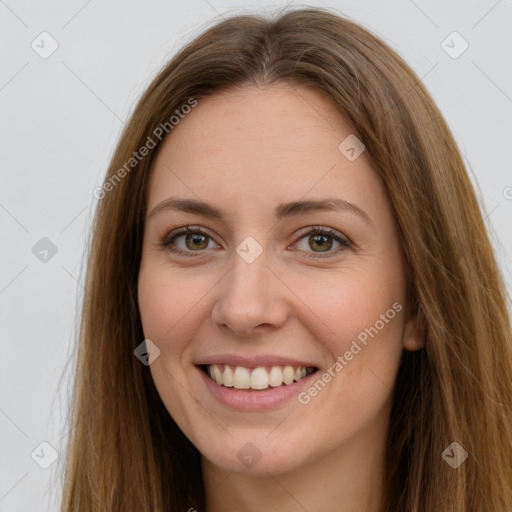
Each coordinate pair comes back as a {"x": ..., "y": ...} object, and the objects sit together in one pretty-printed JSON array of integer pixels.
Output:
[{"x": 253, "y": 291}]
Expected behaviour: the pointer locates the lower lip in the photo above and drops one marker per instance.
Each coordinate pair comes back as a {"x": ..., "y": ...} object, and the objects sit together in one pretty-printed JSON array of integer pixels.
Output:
[{"x": 254, "y": 400}]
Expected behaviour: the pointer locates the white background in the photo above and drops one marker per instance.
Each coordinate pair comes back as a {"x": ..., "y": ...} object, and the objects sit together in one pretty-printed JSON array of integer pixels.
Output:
[{"x": 60, "y": 120}]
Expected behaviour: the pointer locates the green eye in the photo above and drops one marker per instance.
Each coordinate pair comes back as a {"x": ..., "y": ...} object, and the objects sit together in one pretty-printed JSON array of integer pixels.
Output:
[
  {"x": 195, "y": 240},
  {"x": 323, "y": 239},
  {"x": 319, "y": 239}
]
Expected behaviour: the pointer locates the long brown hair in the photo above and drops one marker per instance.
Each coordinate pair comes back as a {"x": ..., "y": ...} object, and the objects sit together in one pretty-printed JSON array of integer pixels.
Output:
[{"x": 125, "y": 452}]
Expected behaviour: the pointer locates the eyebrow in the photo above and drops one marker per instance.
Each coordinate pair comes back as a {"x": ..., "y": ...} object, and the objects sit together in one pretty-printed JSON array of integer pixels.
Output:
[{"x": 282, "y": 211}]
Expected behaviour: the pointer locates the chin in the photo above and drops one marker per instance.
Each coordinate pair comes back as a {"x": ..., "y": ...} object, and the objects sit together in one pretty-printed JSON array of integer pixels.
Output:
[{"x": 255, "y": 455}]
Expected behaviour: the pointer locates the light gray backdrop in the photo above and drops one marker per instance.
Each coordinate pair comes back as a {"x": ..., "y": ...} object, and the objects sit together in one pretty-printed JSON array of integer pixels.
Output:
[{"x": 70, "y": 74}]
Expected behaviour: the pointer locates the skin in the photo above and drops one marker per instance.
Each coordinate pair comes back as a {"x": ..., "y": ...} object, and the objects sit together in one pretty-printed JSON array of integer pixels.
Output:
[{"x": 246, "y": 151}]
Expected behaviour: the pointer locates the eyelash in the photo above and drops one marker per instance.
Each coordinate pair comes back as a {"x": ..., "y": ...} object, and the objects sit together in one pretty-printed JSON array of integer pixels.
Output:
[{"x": 314, "y": 230}]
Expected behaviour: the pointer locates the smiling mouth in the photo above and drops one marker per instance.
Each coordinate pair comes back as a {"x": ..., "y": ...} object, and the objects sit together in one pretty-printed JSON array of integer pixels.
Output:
[{"x": 257, "y": 379}]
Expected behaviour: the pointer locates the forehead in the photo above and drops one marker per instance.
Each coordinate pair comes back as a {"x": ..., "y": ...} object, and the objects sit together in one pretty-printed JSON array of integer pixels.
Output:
[{"x": 261, "y": 144}]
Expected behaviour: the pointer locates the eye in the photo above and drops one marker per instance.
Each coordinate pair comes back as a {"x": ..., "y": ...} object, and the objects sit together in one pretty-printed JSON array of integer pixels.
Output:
[
  {"x": 193, "y": 240},
  {"x": 322, "y": 240}
]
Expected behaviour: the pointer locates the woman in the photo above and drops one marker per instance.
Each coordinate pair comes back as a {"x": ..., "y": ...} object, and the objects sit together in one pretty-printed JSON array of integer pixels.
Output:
[{"x": 292, "y": 302}]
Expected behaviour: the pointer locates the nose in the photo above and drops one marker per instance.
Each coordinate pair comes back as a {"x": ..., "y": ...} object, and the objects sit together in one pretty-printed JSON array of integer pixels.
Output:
[{"x": 251, "y": 298}]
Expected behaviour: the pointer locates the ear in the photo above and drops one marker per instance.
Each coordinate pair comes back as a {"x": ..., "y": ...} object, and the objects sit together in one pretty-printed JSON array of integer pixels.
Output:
[{"x": 412, "y": 337}]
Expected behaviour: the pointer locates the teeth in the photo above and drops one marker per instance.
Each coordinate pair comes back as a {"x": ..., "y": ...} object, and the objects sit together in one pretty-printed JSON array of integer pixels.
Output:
[
  {"x": 217, "y": 375},
  {"x": 275, "y": 377},
  {"x": 241, "y": 379},
  {"x": 288, "y": 374},
  {"x": 228, "y": 380},
  {"x": 257, "y": 378}
]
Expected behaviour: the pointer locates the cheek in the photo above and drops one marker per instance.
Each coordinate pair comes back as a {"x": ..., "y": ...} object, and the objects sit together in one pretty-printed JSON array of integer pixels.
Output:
[
  {"x": 351, "y": 303},
  {"x": 168, "y": 307},
  {"x": 361, "y": 327}
]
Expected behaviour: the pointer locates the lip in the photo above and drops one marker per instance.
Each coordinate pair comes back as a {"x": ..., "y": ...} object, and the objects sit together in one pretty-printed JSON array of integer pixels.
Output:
[
  {"x": 253, "y": 361},
  {"x": 254, "y": 400}
]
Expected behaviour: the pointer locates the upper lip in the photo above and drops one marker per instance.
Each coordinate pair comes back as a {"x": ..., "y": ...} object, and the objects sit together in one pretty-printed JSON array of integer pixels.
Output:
[{"x": 252, "y": 361}]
